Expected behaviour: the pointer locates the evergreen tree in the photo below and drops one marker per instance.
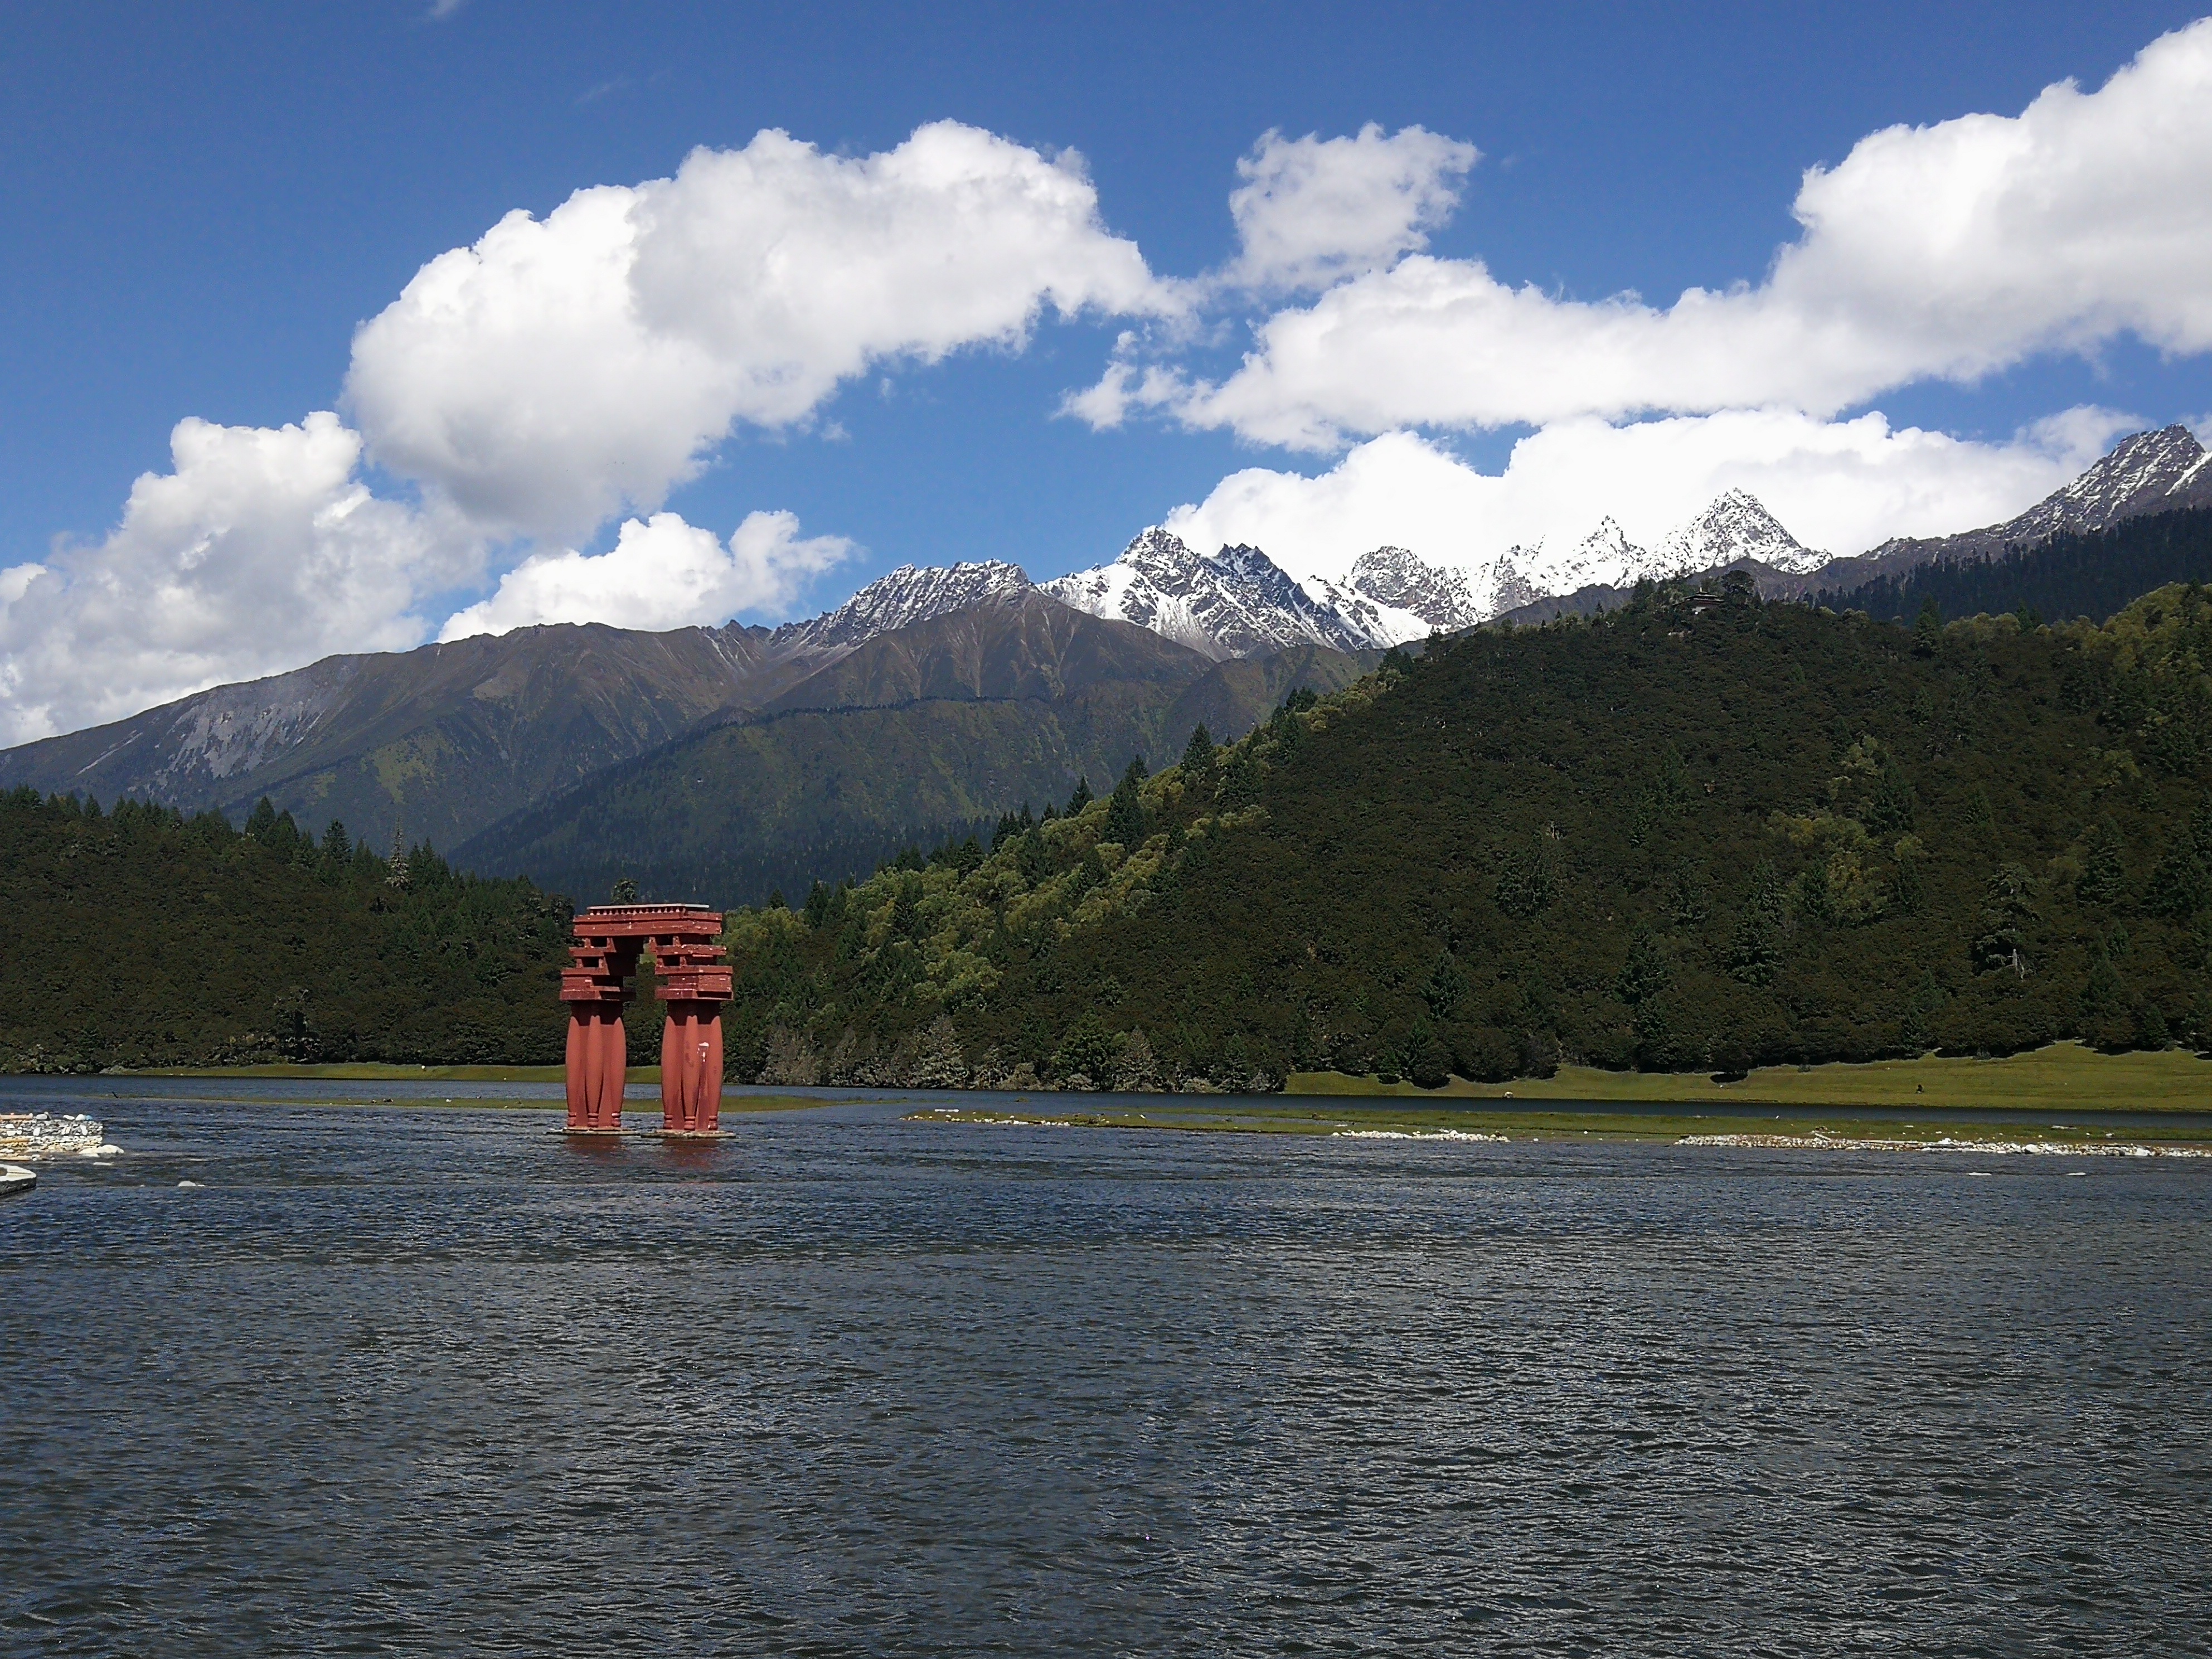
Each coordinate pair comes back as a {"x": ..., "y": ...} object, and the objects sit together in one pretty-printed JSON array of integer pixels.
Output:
[
  {"x": 1645, "y": 973},
  {"x": 1086, "y": 1058},
  {"x": 1692, "y": 903},
  {"x": 1816, "y": 899},
  {"x": 1198, "y": 753},
  {"x": 1889, "y": 810},
  {"x": 1907, "y": 889},
  {"x": 2178, "y": 886},
  {"x": 1124, "y": 811},
  {"x": 1081, "y": 798},
  {"x": 1928, "y": 628},
  {"x": 1446, "y": 985},
  {"x": 2007, "y": 911},
  {"x": 2104, "y": 876},
  {"x": 1524, "y": 881},
  {"x": 1754, "y": 953}
]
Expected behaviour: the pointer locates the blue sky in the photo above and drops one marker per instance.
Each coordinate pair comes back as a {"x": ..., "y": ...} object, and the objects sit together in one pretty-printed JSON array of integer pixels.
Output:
[{"x": 208, "y": 200}]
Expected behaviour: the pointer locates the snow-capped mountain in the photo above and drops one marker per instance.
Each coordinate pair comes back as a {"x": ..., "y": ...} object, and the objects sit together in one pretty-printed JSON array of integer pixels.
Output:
[
  {"x": 2146, "y": 473},
  {"x": 1395, "y": 596},
  {"x": 1606, "y": 555},
  {"x": 911, "y": 593},
  {"x": 1736, "y": 526},
  {"x": 1235, "y": 602},
  {"x": 2149, "y": 472}
]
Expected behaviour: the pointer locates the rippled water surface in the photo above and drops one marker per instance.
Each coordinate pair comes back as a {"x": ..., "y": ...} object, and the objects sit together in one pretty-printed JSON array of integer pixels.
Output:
[{"x": 397, "y": 1379}]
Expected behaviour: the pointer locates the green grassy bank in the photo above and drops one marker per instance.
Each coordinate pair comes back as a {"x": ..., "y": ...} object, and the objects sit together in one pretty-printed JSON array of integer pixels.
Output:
[
  {"x": 379, "y": 1071},
  {"x": 2064, "y": 1076},
  {"x": 1297, "y": 1117}
]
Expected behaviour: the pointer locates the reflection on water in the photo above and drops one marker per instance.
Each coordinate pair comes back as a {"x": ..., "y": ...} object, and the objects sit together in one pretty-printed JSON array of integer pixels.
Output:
[{"x": 441, "y": 1381}]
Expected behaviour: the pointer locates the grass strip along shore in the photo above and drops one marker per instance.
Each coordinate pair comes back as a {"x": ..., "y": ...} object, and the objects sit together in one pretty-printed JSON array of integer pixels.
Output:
[{"x": 1837, "y": 1132}]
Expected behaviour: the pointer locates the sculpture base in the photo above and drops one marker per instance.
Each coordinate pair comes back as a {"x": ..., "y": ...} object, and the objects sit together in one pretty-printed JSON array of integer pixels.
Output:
[{"x": 686, "y": 1134}]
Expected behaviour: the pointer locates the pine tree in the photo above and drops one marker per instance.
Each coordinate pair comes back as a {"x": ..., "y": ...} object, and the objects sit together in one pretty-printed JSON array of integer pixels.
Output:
[
  {"x": 1754, "y": 953},
  {"x": 1816, "y": 897},
  {"x": 1928, "y": 629},
  {"x": 1081, "y": 798},
  {"x": 1446, "y": 985},
  {"x": 1198, "y": 754},
  {"x": 1124, "y": 811},
  {"x": 2177, "y": 887},
  {"x": 1645, "y": 973},
  {"x": 2007, "y": 910},
  {"x": 1524, "y": 881},
  {"x": 2104, "y": 876}
]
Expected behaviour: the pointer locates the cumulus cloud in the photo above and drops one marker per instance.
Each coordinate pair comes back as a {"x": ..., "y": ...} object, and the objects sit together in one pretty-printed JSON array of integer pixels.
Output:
[
  {"x": 661, "y": 573},
  {"x": 1942, "y": 252},
  {"x": 259, "y": 551},
  {"x": 1312, "y": 210},
  {"x": 533, "y": 385},
  {"x": 560, "y": 368},
  {"x": 1836, "y": 485}
]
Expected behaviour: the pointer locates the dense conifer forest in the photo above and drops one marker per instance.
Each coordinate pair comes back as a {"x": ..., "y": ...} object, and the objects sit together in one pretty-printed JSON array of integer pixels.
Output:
[
  {"x": 139, "y": 937},
  {"x": 2070, "y": 576},
  {"x": 1693, "y": 834}
]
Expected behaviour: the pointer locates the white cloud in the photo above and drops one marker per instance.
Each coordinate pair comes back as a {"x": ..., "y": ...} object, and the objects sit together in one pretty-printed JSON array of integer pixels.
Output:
[
  {"x": 260, "y": 552},
  {"x": 1314, "y": 210},
  {"x": 1840, "y": 486},
  {"x": 1945, "y": 251},
  {"x": 660, "y": 574},
  {"x": 560, "y": 368}
]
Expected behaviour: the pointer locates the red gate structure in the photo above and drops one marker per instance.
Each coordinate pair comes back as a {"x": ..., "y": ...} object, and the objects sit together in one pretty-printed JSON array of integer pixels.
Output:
[{"x": 694, "y": 983}]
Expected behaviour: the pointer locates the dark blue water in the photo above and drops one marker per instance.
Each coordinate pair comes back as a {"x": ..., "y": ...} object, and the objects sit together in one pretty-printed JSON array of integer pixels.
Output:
[{"x": 437, "y": 1382}]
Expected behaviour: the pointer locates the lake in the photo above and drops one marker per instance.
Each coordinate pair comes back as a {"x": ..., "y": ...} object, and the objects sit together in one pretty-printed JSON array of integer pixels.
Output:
[{"x": 394, "y": 1379}]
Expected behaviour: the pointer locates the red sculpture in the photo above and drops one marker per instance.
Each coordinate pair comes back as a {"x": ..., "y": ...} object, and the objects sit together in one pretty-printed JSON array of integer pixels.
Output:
[{"x": 694, "y": 983}]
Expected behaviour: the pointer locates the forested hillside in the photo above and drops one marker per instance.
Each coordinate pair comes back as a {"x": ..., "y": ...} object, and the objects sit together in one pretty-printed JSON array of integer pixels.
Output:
[
  {"x": 916, "y": 737},
  {"x": 2073, "y": 574},
  {"x": 142, "y": 938},
  {"x": 1678, "y": 836}
]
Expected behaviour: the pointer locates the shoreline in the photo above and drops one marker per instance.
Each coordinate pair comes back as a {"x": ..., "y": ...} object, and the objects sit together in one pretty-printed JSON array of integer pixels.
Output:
[
  {"x": 1813, "y": 1132},
  {"x": 2068, "y": 1077},
  {"x": 2065, "y": 1077}
]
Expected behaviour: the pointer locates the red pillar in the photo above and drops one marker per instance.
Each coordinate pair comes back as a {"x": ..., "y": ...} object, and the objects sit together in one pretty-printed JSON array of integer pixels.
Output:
[
  {"x": 694, "y": 984},
  {"x": 691, "y": 1069},
  {"x": 594, "y": 987}
]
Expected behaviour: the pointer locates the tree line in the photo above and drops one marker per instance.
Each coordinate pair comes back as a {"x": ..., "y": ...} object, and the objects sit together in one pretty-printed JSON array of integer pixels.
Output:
[{"x": 1698, "y": 832}]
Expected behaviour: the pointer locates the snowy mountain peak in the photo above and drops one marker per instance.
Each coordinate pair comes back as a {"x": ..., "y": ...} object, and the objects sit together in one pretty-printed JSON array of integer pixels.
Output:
[
  {"x": 1234, "y": 602},
  {"x": 1737, "y": 526},
  {"x": 1392, "y": 576},
  {"x": 2148, "y": 472},
  {"x": 911, "y": 593}
]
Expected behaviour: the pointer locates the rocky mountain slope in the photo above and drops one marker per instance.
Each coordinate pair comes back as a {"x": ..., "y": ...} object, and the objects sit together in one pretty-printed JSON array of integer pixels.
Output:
[
  {"x": 1234, "y": 602},
  {"x": 2149, "y": 472},
  {"x": 441, "y": 741},
  {"x": 435, "y": 742},
  {"x": 907, "y": 595},
  {"x": 926, "y": 730}
]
